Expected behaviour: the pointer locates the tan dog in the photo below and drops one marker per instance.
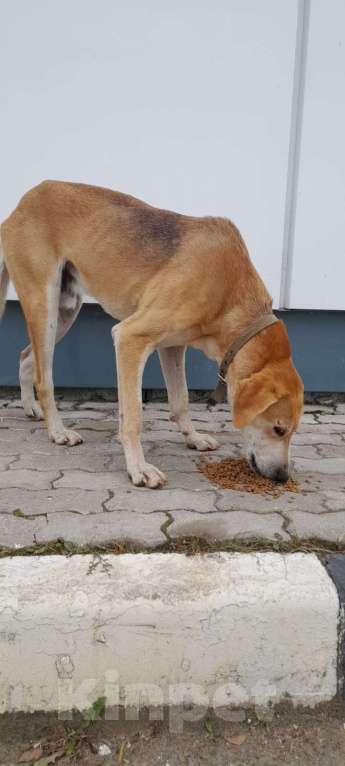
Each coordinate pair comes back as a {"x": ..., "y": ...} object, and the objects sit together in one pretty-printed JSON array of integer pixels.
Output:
[{"x": 173, "y": 281}]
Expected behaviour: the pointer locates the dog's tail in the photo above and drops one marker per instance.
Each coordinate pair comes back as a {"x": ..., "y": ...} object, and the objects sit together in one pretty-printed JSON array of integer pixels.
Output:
[{"x": 4, "y": 280}]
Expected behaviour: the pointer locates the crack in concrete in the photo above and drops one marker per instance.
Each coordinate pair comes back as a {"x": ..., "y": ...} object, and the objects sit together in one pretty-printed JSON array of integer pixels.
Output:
[
  {"x": 60, "y": 476},
  {"x": 13, "y": 459},
  {"x": 166, "y": 524},
  {"x": 107, "y": 500},
  {"x": 18, "y": 513},
  {"x": 67, "y": 471},
  {"x": 287, "y": 521}
]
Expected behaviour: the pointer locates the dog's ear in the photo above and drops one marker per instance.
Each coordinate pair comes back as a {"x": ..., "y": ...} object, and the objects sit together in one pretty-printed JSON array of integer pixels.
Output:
[{"x": 252, "y": 396}]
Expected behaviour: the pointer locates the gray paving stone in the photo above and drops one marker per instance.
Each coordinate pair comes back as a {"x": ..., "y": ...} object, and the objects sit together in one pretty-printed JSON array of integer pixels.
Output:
[
  {"x": 159, "y": 425},
  {"x": 305, "y": 451},
  {"x": 25, "y": 425},
  {"x": 146, "y": 501},
  {"x": 84, "y": 415},
  {"x": 318, "y": 483},
  {"x": 226, "y": 526},
  {"x": 211, "y": 417},
  {"x": 164, "y": 436},
  {"x": 178, "y": 446},
  {"x": 200, "y": 416},
  {"x": 16, "y": 532},
  {"x": 318, "y": 409},
  {"x": 8, "y": 450},
  {"x": 321, "y": 428},
  {"x": 338, "y": 418},
  {"x": 103, "y": 528},
  {"x": 12, "y": 439},
  {"x": 98, "y": 406},
  {"x": 153, "y": 414},
  {"x": 26, "y": 479},
  {"x": 168, "y": 463},
  {"x": 65, "y": 458},
  {"x": 193, "y": 480},
  {"x": 334, "y": 501},
  {"x": 315, "y": 437},
  {"x": 331, "y": 450},
  {"x": 322, "y": 465},
  {"x": 229, "y": 500},
  {"x": 66, "y": 406},
  {"x": 103, "y": 444},
  {"x": 88, "y": 480},
  {"x": 218, "y": 426},
  {"x": 9, "y": 419},
  {"x": 215, "y": 427},
  {"x": 6, "y": 461},
  {"x": 309, "y": 418},
  {"x": 14, "y": 415},
  {"x": 158, "y": 406},
  {"x": 31, "y": 502},
  {"x": 174, "y": 437},
  {"x": 87, "y": 424},
  {"x": 329, "y": 526}
]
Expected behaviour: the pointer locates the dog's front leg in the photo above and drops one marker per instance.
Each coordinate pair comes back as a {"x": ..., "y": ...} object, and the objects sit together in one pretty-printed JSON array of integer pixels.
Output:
[
  {"x": 173, "y": 366},
  {"x": 132, "y": 351}
]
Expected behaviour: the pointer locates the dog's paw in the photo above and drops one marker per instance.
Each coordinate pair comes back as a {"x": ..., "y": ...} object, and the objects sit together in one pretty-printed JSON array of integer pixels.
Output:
[
  {"x": 147, "y": 476},
  {"x": 201, "y": 442},
  {"x": 66, "y": 436},
  {"x": 33, "y": 409}
]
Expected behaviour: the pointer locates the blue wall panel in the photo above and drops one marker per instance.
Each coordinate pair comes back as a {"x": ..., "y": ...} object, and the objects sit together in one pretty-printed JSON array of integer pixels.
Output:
[{"x": 85, "y": 358}]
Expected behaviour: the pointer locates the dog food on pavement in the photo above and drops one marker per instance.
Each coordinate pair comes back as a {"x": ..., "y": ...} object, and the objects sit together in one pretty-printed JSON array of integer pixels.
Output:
[{"x": 235, "y": 473}]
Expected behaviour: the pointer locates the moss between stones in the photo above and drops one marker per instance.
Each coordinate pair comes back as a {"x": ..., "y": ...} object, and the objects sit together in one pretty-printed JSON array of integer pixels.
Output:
[{"x": 190, "y": 546}]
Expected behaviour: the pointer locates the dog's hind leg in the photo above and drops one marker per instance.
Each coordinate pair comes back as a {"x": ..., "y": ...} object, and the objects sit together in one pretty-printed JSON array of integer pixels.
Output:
[
  {"x": 42, "y": 322},
  {"x": 173, "y": 367},
  {"x": 70, "y": 302},
  {"x": 31, "y": 406}
]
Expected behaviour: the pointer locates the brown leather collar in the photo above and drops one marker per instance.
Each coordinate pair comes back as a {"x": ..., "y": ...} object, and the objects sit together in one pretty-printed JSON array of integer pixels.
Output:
[{"x": 249, "y": 332}]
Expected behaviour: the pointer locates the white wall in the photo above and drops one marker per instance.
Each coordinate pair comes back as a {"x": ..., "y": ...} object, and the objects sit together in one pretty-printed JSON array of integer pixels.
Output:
[
  {"x": 193, "y": 105},
  {"x": 185, "y": 103},
  {"x": 318, "y": 266}
]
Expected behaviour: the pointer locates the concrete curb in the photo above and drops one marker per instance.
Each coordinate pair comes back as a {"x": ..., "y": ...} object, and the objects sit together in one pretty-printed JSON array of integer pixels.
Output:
[
  {"x": 165, "y": 629},
  {"x": 335, "y": 565}
]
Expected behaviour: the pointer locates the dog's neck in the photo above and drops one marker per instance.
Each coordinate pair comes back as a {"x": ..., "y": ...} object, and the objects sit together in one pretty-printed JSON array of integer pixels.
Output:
[
  {"x": 269, "y": 345},
  {"x": 216, "y": 340},
  {"x": 232, "y": 325}
]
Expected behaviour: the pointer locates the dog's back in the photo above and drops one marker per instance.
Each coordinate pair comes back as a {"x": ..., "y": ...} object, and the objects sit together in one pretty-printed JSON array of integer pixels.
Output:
[{"x": 116, "y": 242}]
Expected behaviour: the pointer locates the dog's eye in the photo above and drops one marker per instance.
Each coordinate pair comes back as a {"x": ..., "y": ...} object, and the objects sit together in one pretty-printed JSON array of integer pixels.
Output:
[{"x": 279, "y": 430}]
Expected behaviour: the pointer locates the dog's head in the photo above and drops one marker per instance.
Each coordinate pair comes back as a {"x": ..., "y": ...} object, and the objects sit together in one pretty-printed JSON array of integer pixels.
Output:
[{"x": 267, "y": 405}]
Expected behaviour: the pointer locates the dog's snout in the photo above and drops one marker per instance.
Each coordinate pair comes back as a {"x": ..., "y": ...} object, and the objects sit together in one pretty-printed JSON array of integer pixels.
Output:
[{"x": 280, "y": 474}]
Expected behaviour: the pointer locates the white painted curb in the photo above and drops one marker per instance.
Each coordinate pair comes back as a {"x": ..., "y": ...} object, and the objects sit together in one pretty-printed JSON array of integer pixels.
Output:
[{"x": 215, "y": 630}]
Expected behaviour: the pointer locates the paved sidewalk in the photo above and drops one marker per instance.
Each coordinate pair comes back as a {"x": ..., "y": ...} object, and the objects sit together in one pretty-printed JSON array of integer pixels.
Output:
[{"x": 83, "y": 495}]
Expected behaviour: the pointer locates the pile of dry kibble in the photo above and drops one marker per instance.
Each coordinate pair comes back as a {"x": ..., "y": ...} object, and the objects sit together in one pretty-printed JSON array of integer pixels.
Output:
[{"x": 235, "y": 473}]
